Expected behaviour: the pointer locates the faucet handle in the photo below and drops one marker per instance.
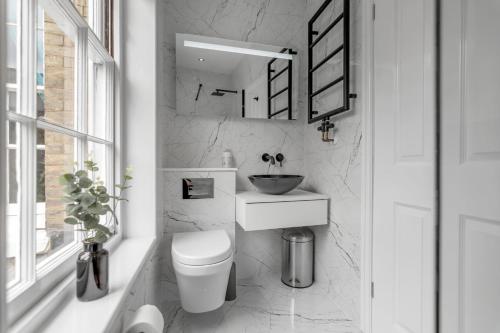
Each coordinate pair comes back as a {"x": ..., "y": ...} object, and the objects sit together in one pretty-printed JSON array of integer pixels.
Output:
[
  {"x": 280, "y": 157},
  {"x": 266, "y": 157}
]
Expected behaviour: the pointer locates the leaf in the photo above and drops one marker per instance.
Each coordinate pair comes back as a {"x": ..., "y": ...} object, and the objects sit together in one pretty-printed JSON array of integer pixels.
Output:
[
  {"x": 72, "y": 188},
  {"x": 69, "y": 208},
  {"x": 81, "y": 173},
  {"x": 96, "y": 208},
  {"x": 103, "y": 229},
  {"x": 103, "y": 198},
  {"x": 68, "y": 199},
  {"x": 128, "y": 170},
  {"x": 86, "y": 199},
  {"x": 109, "y": 209},
  {"x": 75, "y": 196},
  {"x": 101, "y": 189},
  {"x": 91, "y": 166},
  {"x": 85, "y": 182},
  {"x": 100, "y": 237},
  {"x": 67, "y": 178},
  {"x": 90, "y": 221},
  {"x": 71, "y": 220}
]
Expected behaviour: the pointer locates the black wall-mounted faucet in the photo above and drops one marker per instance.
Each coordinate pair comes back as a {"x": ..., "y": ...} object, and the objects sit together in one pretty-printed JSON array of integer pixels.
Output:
[
  {"x": 268, "y": 158},
  {"x": 271, "y": 159},
  {"x": 280, "y": 158}
]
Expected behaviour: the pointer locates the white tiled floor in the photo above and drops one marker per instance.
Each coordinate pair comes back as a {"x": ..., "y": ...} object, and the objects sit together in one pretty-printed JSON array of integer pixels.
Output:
[{"x": 269, "y": 306}]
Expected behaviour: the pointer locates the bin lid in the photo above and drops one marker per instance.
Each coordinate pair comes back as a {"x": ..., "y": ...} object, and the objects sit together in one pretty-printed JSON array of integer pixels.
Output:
[{"x": 298, "y": 235}]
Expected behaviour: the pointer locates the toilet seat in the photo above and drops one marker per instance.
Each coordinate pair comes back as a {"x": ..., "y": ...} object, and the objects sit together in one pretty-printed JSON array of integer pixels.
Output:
[{"x": 201, "y": 248}]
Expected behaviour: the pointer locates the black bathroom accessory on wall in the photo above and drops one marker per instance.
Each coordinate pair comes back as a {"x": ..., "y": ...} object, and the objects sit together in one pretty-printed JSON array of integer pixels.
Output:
[
  {"x": 270, "y": 78},
  {"x": 198, "y": 93},
  {"x": 197, "y": 188},
  {"x": 313, "y": 115}
]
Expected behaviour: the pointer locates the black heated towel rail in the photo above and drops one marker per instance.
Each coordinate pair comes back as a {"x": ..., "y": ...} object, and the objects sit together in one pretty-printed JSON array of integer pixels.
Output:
[
  {"x": 271, "y": 76},
  {"x": 313, "y": 115}
]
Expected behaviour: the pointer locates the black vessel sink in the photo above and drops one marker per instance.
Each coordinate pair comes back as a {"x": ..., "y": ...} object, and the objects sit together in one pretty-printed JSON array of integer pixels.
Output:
[{"x": 275, "y": 184}]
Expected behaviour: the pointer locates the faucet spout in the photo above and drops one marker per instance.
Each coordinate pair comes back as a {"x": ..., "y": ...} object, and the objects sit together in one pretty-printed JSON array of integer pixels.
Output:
[{"x": 268, "y": 158}]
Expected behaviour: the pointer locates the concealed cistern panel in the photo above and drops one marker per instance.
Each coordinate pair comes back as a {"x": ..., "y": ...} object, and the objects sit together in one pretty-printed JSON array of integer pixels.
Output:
[{"x": 197, "y": 188}]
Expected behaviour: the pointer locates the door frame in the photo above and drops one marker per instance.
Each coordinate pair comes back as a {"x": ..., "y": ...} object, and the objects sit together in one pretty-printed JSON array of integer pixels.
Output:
[{"x": 367, "y": 122}]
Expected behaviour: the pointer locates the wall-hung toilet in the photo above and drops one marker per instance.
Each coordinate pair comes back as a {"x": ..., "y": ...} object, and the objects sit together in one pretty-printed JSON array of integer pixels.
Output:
[{"x": 202, "y": 262}]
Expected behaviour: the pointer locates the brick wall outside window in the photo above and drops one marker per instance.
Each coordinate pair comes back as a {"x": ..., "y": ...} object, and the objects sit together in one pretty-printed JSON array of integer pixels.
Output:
[{"x": 59, "y": 108}]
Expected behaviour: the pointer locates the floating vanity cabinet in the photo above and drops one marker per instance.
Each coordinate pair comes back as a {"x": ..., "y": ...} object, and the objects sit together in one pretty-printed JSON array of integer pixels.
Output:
[{"x": 298, "y": 208}]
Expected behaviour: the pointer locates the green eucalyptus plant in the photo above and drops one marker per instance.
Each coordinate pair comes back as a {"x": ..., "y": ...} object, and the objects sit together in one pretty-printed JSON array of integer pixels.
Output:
[{"x": 87, "y": 199}]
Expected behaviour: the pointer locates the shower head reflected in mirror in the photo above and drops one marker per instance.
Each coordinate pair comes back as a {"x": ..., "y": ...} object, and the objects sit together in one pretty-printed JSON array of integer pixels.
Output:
[{"x": 222, "y": 92}]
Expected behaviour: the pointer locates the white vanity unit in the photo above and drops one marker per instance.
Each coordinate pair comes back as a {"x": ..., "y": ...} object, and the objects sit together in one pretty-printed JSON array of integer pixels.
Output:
[{"x": 297, "y": 208}]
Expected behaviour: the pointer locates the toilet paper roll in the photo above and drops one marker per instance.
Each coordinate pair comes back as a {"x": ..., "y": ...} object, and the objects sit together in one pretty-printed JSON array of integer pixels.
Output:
[{"x": 147, "y": 319}]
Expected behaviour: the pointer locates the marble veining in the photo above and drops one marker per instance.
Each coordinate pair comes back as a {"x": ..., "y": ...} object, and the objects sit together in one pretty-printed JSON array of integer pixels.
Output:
[
  {"x": 198, "y": 140},
  {"x": 334, "y": 169},
  {"x": 181, "y": 215},
  {"x": 269, "y": 307},
  {"x": 264, "y": 304}
]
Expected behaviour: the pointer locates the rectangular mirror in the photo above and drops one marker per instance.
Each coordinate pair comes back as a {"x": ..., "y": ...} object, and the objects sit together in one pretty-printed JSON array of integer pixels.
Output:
[{"x": 222, "y": 77}]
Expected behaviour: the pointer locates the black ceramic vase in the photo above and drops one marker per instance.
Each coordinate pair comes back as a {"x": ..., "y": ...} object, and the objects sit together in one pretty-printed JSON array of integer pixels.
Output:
[{"x": 92, "y": 268}]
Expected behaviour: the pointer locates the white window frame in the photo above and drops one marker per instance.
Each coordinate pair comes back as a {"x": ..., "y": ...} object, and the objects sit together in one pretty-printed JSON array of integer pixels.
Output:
[
  {"x": 3, "y": 145},
  {"x": 37, "y": 280}
]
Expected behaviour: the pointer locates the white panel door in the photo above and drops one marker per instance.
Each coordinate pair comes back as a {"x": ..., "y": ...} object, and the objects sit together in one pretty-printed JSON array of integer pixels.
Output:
[
  {"x": 470, "y": 164},
  {"x": 404, "y": 167}
]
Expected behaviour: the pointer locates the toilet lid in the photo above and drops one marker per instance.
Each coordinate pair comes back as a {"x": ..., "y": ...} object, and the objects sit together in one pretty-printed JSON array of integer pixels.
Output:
[{"x": 201, "y": 247}]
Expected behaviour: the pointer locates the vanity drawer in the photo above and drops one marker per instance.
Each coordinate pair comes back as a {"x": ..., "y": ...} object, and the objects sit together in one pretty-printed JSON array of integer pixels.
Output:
[{"x": 284, "y": 214}]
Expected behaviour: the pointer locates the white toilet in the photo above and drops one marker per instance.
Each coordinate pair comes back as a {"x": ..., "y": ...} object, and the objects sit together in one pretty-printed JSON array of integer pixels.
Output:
[{"x": 202, "y": 262}]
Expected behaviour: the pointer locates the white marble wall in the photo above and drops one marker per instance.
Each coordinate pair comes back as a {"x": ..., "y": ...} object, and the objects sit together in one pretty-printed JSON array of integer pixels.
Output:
[
  {"x": 144, "y": 291},
  {"x": 194, "y": 141},
  {"x": 263, "y": 303},
  {"x": 180, "y": 215},
  {"x": 188, "y": 81},
  {"x": 184, "y": 215},
  {"x": 334, "y": 169}
]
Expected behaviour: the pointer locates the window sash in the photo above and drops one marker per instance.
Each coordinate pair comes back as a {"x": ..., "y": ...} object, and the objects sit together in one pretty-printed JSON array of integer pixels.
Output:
[{"x": 35, "y": 280}]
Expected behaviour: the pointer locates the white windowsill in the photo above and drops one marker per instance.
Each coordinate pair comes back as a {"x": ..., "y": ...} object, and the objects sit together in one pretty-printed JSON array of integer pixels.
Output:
[{"x": 61, "y": 309}]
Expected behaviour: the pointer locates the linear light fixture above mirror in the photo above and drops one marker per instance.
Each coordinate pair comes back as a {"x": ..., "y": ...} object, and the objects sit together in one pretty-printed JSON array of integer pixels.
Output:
[{"x": 233, "y": 49}]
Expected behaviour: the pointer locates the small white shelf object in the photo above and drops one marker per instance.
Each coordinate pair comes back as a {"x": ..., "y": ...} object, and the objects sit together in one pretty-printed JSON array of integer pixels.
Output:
[{"x": 297, "y": 208}]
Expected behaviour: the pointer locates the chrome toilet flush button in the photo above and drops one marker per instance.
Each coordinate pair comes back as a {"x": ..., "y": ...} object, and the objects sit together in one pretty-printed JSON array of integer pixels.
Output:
[{"x": 197, "y": 188}]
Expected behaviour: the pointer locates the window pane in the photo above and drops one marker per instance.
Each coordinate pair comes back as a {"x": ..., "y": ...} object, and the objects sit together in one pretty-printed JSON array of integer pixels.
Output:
[
  {"x": 11, "y": 53},
  {"x": 13, "y": 216},
  {"x": 97, "y": 153},
  {"x": 11, "y": 100},
  {"x": 12, "y": 134},
  {"x": 82, "y": 7},
  {"x": 40, "y": 63},
  {"x": 97, "y": 100},
  {"x": 55, "y": 72},
  {"x": 55, "y": 156},
  {"x": 11, "y": 11},
  {"x": 40, "y": 175},
  {"x": 11, "y": 41},
  {"x": 40, "y": 112}
]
